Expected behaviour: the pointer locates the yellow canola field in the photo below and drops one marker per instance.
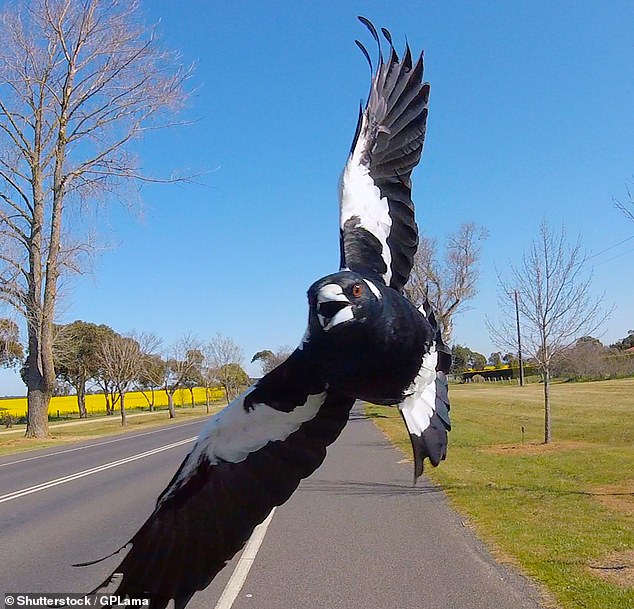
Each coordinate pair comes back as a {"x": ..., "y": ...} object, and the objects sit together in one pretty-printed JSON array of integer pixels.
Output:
[{"x": 96, "y": 403}]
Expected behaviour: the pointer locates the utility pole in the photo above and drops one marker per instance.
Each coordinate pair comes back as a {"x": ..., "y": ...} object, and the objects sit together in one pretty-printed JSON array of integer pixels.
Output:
[{"x": 519, "y": 339}]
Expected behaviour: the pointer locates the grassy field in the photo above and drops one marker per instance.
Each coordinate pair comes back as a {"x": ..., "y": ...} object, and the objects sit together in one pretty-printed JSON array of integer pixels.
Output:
[{"x": 563, "y": 512}]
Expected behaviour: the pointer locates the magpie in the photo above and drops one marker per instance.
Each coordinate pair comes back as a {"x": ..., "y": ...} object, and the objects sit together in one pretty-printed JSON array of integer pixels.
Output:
[{"x": 364, "y": 341}]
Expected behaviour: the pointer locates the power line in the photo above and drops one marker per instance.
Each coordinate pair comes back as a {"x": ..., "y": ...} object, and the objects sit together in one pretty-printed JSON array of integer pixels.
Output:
[
  {"x": 607, "y": 249},
  {"x": 617, "y": 256}
]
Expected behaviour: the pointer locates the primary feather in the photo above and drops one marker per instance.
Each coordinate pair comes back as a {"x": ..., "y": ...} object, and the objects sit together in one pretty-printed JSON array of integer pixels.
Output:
[{"x": 378, "y": 230}]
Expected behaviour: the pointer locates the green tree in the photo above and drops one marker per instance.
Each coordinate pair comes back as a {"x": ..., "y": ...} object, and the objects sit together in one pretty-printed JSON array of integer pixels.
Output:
[
  {"x": 495, "y": 359},
  {"x": 625, "y": 343},
  {"x": 478, "y": 361},
  {"x": 464, "y": 359},
  {"x": 271, "y": 360},
  {"x": 75, "y": 355},
  {"x": 11, "y": 351},
  {"x": 510, "y": 359},
  {"x": 233, "y": 379}
]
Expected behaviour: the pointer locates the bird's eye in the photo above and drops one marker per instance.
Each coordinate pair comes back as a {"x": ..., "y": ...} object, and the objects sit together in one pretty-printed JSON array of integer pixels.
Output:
[{"x": 357, "y": 290}]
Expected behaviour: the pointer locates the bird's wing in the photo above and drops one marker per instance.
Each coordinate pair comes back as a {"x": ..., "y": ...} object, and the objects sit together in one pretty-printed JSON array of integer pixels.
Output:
[
  {"x": 425, "y": 410},
  {"x": 248, "y": 459},
  {"x": 378, "y": 230}
]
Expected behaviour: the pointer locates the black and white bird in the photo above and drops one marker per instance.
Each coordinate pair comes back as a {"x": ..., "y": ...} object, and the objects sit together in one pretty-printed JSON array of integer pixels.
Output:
[{"x": 365, "y": 341}]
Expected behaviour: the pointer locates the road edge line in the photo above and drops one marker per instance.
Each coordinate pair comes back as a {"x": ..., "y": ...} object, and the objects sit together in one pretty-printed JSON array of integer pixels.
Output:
[{"x": 240, "y": 573}]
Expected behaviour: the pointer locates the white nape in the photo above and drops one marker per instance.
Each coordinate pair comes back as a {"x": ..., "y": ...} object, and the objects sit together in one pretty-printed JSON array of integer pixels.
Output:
[{"x": 374, "y": 289}]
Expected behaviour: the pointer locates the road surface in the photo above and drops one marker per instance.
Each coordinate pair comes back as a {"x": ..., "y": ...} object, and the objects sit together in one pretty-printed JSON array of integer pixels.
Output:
[{"x": 356, "y": 534}]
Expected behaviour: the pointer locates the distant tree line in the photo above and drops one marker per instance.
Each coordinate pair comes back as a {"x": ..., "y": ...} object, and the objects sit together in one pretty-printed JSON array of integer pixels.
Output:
[
  {"x": 586, "y": 359},
  {"x": 87, "y": 355}
]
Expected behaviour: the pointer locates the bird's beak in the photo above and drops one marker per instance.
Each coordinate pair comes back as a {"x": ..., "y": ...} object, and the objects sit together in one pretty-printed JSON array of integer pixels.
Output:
[{"x": 333, "y": 307}]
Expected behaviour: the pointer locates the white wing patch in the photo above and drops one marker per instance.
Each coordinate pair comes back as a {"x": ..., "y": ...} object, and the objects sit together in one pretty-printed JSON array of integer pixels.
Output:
[
  {"x": 234, "y": 432},
  {"x": 420, "y": 404},
  {"x": 359, "y": 196}
]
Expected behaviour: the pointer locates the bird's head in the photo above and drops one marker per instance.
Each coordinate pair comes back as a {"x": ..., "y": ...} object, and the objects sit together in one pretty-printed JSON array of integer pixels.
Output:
[{"x": 342, "y": 300}]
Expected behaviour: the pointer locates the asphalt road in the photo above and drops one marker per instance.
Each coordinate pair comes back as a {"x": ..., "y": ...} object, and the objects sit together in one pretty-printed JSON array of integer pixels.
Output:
[{"x": 356, "y": 534}]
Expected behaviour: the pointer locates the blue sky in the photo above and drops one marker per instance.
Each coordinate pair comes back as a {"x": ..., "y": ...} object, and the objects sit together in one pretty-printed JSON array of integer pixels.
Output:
[{"x": 530, "y": 117}]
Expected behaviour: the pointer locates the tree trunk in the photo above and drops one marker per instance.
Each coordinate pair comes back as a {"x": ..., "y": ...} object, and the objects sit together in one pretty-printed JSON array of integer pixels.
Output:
[
  {"x": 149, "y": 400},
  {"x": 547, "y": 431},
  {"x": 207, "y": 399},
  {"x": 38, "y": 394},
  {"x": 37, "y": 417},
  {"x": 170, "y": 404},
  {"x": 81, "y": 400},
  {"x": 446, "y": 327},
  {"x": 109, "y": 408},
  {"x": 114, "y": 398},
  {"x": 191, "y": 393},
  {"x": 122, "y": 406}
]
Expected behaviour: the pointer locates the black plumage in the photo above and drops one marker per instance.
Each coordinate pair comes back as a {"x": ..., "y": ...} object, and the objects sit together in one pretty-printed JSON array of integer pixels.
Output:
[{"x": 365, "y": 340}]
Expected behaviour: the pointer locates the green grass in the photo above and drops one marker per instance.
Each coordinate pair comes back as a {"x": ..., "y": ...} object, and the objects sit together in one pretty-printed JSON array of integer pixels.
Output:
[
  {"x": 555, "y": 511},
  {"x": 96, "y": 427}
]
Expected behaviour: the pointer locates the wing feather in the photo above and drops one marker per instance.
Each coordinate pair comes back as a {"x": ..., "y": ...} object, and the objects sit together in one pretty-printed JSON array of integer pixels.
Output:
[
  {"x": 425, "y": 410},
  {"x": 379, "y": 235},
  {"x": 213, "y": 503}
]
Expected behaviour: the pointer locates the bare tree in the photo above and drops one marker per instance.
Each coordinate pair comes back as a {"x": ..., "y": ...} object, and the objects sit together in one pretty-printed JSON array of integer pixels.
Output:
[
  {"x": 270, "y": 359},
  {"x": 226, "y": 358},
  {"x": 80, "y": 82},
  {"x": 151, "y": 378},
  {"x": 210, "y": 369},
  {"x": 122, "y": 359},
  {"x": 556, "y": 304},
  {"x": 447, "y": 282},
  {"x": 626, "y": 207},
  {"x": 183, "y": 359},
  {"x": 207, "y": 376},
  {"x": 119, "y": 358},
  {"x": 194, "y": 376},
  {"x": 587, "y": 358}
]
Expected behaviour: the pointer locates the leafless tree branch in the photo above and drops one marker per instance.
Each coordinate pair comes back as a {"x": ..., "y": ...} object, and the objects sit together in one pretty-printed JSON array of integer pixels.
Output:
[
  {"x": 80, "y": 83},
  {"x": 556, "y": 305},
  {"x": 448, "y": 283}
]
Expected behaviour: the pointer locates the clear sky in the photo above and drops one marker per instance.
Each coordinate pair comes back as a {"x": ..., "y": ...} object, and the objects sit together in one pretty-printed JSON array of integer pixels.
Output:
[{"x": 530, "y": 117}]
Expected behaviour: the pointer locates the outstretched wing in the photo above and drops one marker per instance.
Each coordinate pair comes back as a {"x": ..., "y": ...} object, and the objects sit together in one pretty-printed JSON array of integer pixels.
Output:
[
  {"x": 378, "y": 230},
  {"x": 248, "y": 459},
  {"x": 425, "y": 410}
]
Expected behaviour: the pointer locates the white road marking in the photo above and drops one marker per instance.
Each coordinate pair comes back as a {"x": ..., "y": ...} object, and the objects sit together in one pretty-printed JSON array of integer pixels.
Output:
[
  {"x": 89, "y": 472},
  {"x": 239, "y": 575},
  {"x": 70, "y": 450}
]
